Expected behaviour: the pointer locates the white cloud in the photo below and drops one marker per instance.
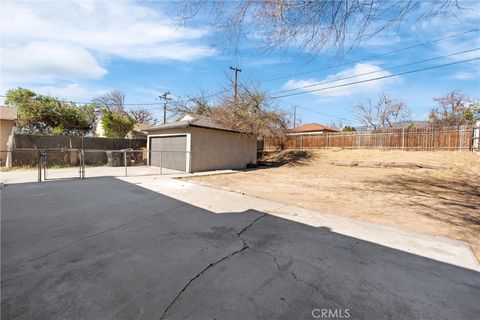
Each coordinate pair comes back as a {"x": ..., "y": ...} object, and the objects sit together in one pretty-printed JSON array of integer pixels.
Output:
[
  {"x": 47, "y": 61},
  {"x": 122, "y": 29},
  {"x": 462, "y": 75},
  {"x": 356, "y": 74},
  {"x": 72, "y": 91},
  {"x": 259, "y": 62},
  {"x": 72, "y": 39}
]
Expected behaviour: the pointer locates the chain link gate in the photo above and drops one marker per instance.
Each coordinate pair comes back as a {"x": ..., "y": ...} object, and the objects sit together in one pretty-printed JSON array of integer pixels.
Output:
[{"x": 62, "y": 164}]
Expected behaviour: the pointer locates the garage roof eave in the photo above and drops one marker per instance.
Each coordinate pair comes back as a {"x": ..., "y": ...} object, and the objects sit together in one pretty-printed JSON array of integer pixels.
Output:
[
  {"x": 175, "y": 125},
  {"x": 186, "y": 124}
]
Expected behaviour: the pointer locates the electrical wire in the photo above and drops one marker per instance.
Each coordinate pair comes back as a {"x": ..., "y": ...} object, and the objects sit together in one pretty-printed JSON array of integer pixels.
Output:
[
  {"x": 373, "y": 56},
  {"x": 314, "y": 111},
  {"x": 142, "y": 104},
  {"x": 378, "y": 78},
  {"x": 377, "y": 71}
]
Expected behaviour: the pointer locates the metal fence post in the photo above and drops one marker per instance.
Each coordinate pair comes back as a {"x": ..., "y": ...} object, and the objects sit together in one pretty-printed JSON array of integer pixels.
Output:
[
  {"x": 125, "y": 161},
  {"x": 39, "y": 160},
  {"x": 44, "y": 164},
  {"x": 189, "y": 162},
  {"x": 161, "y": 162},
  {"x": 82, "y": 163},
  {"x": 79, "y": 156}
]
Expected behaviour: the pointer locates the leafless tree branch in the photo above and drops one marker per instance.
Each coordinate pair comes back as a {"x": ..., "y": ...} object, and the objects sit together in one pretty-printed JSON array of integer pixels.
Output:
[
  {"x": 385, "y": 113},
  {"x": 311, "y": 25}
]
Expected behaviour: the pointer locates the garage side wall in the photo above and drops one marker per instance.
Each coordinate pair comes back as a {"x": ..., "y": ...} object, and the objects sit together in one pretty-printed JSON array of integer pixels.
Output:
[{"x": 217, "y": 150}]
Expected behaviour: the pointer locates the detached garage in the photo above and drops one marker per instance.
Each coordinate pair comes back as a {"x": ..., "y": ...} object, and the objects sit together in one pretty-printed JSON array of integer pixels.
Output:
[{"x": 197, "y": 143}]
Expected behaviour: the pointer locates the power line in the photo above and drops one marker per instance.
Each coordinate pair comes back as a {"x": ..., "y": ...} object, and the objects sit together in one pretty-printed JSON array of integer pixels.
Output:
[
  {"x": 314, "y": 111},
  {"x": 377, "y": 71},
  {"x": 323, "y": 114},
  {"x": 378, "y": 78},
  {"x": 142, "y": 104},
  {"x": 373, "y": 57}
]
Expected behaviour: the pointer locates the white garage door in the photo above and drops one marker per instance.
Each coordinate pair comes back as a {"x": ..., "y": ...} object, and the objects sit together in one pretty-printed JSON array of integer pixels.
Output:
[{"x": 173, "y": 153}]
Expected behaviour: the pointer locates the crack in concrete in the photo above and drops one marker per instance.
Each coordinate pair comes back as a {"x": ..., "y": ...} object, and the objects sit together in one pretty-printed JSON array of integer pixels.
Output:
[
  {"x": 311, "y": 285},
  {"x": 289, "y": 273},
  {"x": 263, "y": 215},
  {"x": 274, "y": 259},
  {"x": 211, "y": 265}
]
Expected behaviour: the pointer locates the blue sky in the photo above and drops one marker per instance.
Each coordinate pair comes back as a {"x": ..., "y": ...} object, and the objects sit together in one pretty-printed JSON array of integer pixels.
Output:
[{"x": 77, "y": 50}]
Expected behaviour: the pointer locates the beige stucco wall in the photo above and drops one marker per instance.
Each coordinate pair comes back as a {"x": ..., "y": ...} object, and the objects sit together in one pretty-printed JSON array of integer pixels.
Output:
[
  {"x": 217, "y": 149},
  {"x": 5, "y": 131},
  {"x": 99, "y": 132}
]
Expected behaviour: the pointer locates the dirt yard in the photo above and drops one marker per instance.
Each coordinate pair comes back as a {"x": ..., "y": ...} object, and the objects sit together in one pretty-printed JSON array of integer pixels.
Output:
[{"x": 443, "y": 202}]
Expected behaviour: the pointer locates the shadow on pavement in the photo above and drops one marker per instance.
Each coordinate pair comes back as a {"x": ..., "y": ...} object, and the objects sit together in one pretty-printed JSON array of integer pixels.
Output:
[{"x": 106, "y": 249}]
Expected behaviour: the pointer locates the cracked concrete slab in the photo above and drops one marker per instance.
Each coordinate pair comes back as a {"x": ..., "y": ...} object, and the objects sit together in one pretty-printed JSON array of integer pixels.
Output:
[
  {"x": 440, "y": 248},
  {"x": 108, "y": 249}
]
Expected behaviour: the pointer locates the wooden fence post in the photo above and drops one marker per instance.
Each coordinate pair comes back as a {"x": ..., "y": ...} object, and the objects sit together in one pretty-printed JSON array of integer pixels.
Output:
[
  {"x": 476, "y": 137},
  {"x": 461, "y": 138}
]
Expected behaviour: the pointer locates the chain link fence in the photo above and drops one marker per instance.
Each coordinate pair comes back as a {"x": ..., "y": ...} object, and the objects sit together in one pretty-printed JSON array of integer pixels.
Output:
[
  {"x": 20, "y": 166},
  {"x": 30, "y": 165}
]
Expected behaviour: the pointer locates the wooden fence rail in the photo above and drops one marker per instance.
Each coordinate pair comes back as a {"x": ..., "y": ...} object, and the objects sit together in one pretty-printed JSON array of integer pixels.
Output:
[{"x": 424, "y": 138}]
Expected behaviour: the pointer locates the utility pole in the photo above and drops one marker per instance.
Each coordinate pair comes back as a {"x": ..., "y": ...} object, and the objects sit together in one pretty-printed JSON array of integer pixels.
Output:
[
  {"x": 235, "y": 83},
  {"x": 164, "y": 96}
]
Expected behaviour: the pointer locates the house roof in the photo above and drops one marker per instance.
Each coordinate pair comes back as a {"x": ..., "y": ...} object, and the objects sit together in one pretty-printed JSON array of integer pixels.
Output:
[
  {"x": 313, "y": 127},
  {"x": 142, "y": 126},
  {"x": 194, "y": 121},
  {"x": 8, "y": 113}
]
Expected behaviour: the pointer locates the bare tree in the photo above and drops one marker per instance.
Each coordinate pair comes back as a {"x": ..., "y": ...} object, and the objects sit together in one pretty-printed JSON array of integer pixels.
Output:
[
  {"x": 112, "y": 101},
  {"x": 385, "y": 113},
  {"x": 453, "y": 109},
  {"x": 196, "y": 106},
  {"x": 253, "y": 112},
  {"x": 142, "y": 115},
  {"x": 312, "y": 25},
  {"x": 339, "y": 124}
]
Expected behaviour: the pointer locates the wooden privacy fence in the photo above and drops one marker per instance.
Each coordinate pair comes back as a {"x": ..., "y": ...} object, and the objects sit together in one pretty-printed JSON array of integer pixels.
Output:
[{"x": 423, "y": 138}]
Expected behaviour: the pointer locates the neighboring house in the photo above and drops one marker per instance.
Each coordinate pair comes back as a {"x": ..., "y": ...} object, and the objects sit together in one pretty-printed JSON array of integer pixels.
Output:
[
  {"x": 198, "y": 143},
  {"x": 99, "y": 132},
  {"x": 312, "y": 128},
  {"x": 138, "y": 131},
  {"x": 8, "y": 119}
]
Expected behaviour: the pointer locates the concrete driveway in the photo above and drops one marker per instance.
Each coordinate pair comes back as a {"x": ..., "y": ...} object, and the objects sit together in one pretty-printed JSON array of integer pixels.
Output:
[{"x": 104, "y": 248}]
